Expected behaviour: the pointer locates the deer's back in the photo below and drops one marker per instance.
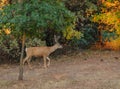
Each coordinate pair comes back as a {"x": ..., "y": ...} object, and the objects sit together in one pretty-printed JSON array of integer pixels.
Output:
[{"x": 38, "y": 51}]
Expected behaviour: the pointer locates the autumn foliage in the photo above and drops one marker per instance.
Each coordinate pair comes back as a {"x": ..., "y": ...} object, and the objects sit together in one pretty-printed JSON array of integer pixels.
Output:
[{"x": 109, "y": 23}]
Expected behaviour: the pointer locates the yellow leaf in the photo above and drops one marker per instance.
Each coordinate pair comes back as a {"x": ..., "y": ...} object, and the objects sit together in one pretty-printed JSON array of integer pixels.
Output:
[{"x": 7, "y": 31}]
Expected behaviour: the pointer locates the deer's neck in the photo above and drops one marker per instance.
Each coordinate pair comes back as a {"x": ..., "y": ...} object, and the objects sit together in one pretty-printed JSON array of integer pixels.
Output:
[{"x": 53, "y": 48}]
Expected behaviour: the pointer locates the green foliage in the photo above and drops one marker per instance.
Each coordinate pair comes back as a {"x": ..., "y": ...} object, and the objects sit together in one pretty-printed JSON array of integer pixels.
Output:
[
  {"x": 7, "y": 43},
  {"x": 34, "y": 16},
  {"x": 69, "y": 33},
  {"x": 12, "y": 46},
  {"x": 34, "y": 42},
  {"x": 109, "y": 19},
  {"x": 109, "y": 36},
  {"x": 84, "y": 11}
]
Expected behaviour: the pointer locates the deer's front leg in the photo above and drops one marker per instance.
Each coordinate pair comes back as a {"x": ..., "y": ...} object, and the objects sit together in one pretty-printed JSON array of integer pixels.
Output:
[{"x": 45, "y": 66}]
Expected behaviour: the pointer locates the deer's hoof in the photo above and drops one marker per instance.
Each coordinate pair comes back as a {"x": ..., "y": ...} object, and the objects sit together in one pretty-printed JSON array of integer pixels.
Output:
[
  {"x": 30, "y": 68},
  {"x": 48, "y": 65},
  {"x": 45, "y": 67}
]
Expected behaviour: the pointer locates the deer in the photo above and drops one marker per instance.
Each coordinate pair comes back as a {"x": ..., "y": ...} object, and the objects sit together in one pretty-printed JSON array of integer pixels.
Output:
[{"x": 42, "y": 51}]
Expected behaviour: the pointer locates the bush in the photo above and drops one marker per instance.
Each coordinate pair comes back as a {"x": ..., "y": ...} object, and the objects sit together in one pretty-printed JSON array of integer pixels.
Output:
[{"x": 11, "y": 48}]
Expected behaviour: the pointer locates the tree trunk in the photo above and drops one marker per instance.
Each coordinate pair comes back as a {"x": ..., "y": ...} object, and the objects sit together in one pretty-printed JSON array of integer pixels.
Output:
[
  {"x": 100, "y": 36},
  {"x": 21, "y": 59}
]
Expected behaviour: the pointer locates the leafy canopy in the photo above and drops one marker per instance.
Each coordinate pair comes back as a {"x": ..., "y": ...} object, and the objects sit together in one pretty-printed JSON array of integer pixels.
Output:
[
  {"x": 109, "y": 18},
  {"x": 34, "y": 16}
]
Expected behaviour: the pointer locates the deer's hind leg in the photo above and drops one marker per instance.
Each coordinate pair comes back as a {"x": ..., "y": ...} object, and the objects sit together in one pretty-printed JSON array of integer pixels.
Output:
[
  {"x": 48, "y": 61},
  {"x": 24, "y": 60},
  {"x": 28, "y": 61}
]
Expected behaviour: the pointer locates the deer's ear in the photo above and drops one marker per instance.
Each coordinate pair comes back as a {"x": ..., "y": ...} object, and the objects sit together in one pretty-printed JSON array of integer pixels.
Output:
[{"x": 56, "y": 38}]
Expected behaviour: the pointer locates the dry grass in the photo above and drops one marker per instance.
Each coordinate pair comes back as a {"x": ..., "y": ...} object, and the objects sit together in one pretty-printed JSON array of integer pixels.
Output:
[{"x": 82, "y": 70}]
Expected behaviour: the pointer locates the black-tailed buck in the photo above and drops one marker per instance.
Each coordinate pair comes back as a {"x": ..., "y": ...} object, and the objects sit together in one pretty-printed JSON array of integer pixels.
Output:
[{"x": 43, "y": 51}]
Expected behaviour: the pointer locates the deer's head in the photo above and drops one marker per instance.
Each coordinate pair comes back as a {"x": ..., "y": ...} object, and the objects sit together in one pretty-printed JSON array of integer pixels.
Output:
[{"x": 58, "y": 45}]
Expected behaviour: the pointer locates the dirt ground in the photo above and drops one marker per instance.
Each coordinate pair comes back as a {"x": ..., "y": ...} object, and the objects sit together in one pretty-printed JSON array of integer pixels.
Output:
[{"x": 82, "y": 70}]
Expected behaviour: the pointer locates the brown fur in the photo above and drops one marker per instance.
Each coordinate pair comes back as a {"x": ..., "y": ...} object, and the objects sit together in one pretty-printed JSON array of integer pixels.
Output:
[{"x": 40, "y": 52}]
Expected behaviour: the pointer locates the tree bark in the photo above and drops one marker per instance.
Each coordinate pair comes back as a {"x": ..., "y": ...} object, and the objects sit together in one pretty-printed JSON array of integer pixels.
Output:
[{"x": 21, "y": 59}]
